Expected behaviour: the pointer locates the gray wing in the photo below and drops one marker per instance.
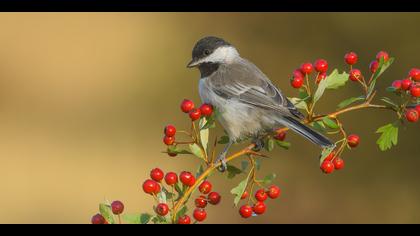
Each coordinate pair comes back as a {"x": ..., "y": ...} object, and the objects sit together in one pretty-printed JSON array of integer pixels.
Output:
[{"x": 244, "y": 81}]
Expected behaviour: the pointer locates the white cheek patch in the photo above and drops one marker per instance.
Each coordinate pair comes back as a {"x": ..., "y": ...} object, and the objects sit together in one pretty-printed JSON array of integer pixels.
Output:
[{"x": 222, "y": 55}]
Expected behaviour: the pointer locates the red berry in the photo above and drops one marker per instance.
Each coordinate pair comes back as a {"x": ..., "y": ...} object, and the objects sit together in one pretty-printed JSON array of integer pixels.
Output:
[
  {"x": 297, "y": 82},
  {"x": 170, "y": 131},
  {"x": 150, "y": 187},
  {"x": 205, "y": 187},
  {"x": 206, "y": 109},
  {"x": 199, "y": 214},
  {"x": 171, "y": 178},
  {"x": 187, "y": 106},
  {"x": 184, "y": 220},
  {"x": 382, "y": 54},
  {"x": 330, "y": 156},
  {"x": 306, "y": 68},
  {"x": 414, "y": 74},
  {"x": 214, "y": 198},
  {"x": 351, "y": 58},
  {"x": 98, "y": 219},
  {"x": 245, "y": 211},
  {"x": 168, "y": 140},
  {"x": 297, "y": 73},
  {"x": 406, "y": 84},
  {"x": 195, "y": 114},
  {"x": 338, "y": 163},
  {"x": 201, "y": 202},
  {"x": 245, "y": 195},
  {"x": 355, "y": 75},
  {"x": 353, "y": 140},
  {"x": 321, "y": 65},
  {"x": 412, "y": 115},
  {"x": 156, "y": 174},
  {"x": 187, "y": 178},
  {"x": 327, "y": 167},
  {"x": 415, "y": 90},
  {"x": 397, "y": 84},
  {"x": 280, "y": 136},
  {"x": 117, "y": 207},
  {"x": 418, "y": 108},
  {"x": 261, "y": 195},
  {"x": 259, "y": 208},
  {"x": 273, "y": 192},
  {"x": 162, "y": 209},
  {"x": 373, "y": 66},
  {"x": 321, "y": 77}
]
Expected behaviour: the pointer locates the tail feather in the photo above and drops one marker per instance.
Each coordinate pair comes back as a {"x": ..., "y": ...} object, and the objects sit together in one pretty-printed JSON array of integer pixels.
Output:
[{"x": 307, "y": 132}]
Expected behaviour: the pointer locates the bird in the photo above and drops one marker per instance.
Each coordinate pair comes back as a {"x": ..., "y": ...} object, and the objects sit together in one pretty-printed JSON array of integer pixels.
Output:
[{"x": 250, "y": 105}]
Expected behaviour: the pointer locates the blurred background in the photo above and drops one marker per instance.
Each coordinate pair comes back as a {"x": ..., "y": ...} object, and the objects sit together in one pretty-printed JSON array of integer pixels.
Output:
[{"x": 84, "y": 98}]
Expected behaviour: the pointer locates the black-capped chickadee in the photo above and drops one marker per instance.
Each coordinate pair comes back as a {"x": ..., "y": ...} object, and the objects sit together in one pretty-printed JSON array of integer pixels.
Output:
[{"x": 250, "y": 105}]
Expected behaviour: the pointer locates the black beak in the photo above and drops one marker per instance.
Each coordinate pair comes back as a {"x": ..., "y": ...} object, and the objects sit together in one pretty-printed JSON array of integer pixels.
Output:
[{"x": 193, "y": 63}]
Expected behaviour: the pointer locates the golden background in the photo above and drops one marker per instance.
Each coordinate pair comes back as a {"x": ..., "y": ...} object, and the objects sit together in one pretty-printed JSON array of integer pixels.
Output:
[{"x": 84, "y": 98}]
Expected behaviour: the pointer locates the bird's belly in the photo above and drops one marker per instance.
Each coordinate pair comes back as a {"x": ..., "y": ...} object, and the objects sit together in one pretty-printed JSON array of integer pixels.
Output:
[{"x": 240, "y": 120}]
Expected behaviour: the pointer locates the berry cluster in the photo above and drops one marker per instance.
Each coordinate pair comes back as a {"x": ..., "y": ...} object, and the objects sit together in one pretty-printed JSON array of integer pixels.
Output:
[
  {"x": 117, "y": 208},
  {"x": 299, "y": 75},
  {"x": 154, "y": 187},
  {"x": 259, "y": 207},
  {"x": 409, "y": 88}
]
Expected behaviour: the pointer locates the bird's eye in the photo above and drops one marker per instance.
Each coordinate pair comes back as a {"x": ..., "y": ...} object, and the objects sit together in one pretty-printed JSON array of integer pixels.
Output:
[{"x": 206, "y": 52}]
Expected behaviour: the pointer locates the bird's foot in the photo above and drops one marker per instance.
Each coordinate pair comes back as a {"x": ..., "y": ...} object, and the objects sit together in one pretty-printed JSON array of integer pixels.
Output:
[
  {"x": 259, "y": 144},
  {"x": 222, "y": 160}
]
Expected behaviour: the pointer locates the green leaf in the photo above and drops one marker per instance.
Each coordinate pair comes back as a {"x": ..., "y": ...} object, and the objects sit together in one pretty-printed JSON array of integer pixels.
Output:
[
  {"x": 106, "y": 212},
  {"x": 135, "y": 218},
  {"x": 330, "y": 123},
  {"x": 258, "y": 164},
  {"x": 239, "y": 190},
  {"x": 391, "y": 89},
  {"x": 334, "y": 81},
  {"x": 168, "y": 194},
  {"x": 181, "y": 212},
  {"x": 145, "y": 218},
  {"x": 244, "y": 165},
  {"x": 196, "y": 150},
  {"x": 390, "y": 102},
  {"x": 282, "y": 144},
  {"x": 303, "y": 94},
  {"x": 177, "y": 150},
  {"x": 233, "y": 171},
  {"x": 319, "y": 126},
  {"x": 270, "y": 145},
  {"x": 383, "y": 66},
  {"x": 161, "y": 196},
  {"x": 199, "y": 171},
  {"x": 269, "y": 178},
  {"x": 223, "y": 140},
  {"x": 159, "y": 220},
  {"x": 350, "y": 101},
  {"x": 389, "y": 136},
  {"x": 204, "y": 134},
  {"x": 325, "y": 153},
  {"x": 299, "y": 103}
]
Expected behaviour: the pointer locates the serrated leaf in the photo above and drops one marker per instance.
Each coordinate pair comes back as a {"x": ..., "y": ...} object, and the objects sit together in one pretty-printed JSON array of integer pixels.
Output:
[
  {"x": 330, "y": 123},
  {"x": 135, "y": 218},
  {"x": 233, "y": 171},
  {"x": 325, "y": 153},
  {"x": 382, "y": 67},
  {"x": 204, "y": 134},
  {"x": 244, "y": 165},
  {"x": 223, "y": 140},
  {"x": 196, "y": 150},
  {"x": 106, "y": 212},
  {"x": 239, "y": 190},
  {"x": 389, "y": 136},
  {"x": 299, "y": 103},
  {"x": 282, "y": 144},
  {"x": 389, "y": 102},
  {"x": 269, "y": 178},
  {"x": 349, "y": 101},
  {"x": 270, "y": 145},
  {"x": 333, "y": 81}
]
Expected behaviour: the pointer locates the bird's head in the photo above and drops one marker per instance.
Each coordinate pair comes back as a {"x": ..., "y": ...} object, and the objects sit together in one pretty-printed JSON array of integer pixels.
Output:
[{"x": 212, "y": 50}]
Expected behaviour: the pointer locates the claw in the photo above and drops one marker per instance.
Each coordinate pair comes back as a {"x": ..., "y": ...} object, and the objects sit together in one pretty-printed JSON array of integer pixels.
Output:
[{"x": 259, "y": 144}]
